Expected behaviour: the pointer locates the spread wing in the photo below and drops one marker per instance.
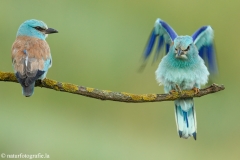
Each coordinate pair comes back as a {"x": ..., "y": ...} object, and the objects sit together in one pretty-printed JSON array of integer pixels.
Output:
[
  {"x": 203, "y": 39},
  {"x": 166, "y": 36},
  {"x": 31, "y": 59}
]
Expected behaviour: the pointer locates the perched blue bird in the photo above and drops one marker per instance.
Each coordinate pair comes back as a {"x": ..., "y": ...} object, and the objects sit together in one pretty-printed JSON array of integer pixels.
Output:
[
  {"x": 31, "y": 57},
  {"x": 183, "y": 68}
]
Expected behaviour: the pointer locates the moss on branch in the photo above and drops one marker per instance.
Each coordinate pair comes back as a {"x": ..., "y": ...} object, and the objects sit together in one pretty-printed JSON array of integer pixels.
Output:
[{"x": 113, "y": 96}]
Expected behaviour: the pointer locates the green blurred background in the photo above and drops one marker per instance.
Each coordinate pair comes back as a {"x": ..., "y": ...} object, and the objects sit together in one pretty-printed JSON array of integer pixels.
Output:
[{"x": 100, "y": 44}]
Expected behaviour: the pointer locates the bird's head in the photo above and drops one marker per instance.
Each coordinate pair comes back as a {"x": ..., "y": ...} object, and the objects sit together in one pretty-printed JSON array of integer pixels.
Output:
[
  {"x": 183, "y": 47},
  {"x": 35, "y": 28}
]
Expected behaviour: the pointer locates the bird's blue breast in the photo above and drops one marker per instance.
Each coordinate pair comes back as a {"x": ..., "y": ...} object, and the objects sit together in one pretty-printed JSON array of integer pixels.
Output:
[{"x": 185, "y": 73}]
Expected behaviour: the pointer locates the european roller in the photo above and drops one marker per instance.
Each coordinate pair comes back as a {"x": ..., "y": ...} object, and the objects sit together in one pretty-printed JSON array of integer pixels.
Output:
[
  {"x": 31, "y": 56},
  {"x": 183, "y": 68}
]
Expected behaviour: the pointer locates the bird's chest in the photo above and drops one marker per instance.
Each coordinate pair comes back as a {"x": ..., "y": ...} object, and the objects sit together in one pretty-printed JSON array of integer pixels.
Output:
[
  {"x": 185, "y": 77},
  {"x": 180, "y": 75}
]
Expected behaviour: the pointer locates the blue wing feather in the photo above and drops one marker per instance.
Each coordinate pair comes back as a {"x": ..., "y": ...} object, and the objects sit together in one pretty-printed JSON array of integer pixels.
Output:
[
  {"x": 150, "y": 44},
  {"x": 212, "y": 60},
  {"x": 203, "y": 39},
  {"x": 167, "y": 47},
  {"x": 207, "y": 53},
  {"x": 198, "y": 32},
  {"x": 160, "y": 44},
  {"x": 169, "y": 30},
  {"x": 166, "y": 36},
  {"x": 159, "y": 47}
]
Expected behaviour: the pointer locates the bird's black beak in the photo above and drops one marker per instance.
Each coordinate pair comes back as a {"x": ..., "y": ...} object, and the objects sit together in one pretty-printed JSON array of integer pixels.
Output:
[
  {"x": 50, "y": 31},
  {"x": 179, "y": 52}
]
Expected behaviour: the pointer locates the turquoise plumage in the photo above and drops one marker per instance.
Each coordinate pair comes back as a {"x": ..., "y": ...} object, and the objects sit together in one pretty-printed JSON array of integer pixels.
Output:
[
  {"x": 183, "y": 68},
  {"x": 31, "y": 57}
]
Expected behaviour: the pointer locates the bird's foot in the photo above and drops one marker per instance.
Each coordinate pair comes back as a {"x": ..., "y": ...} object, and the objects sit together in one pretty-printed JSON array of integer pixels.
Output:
[
  {"x": 173, "y": 91},
  {"x": 178, "y": 88},
  {"x": 196, "y": 90}
]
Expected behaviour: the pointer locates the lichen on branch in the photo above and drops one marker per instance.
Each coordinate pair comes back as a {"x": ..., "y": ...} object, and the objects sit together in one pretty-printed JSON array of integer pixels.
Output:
[{"x": 113, "y": 96}]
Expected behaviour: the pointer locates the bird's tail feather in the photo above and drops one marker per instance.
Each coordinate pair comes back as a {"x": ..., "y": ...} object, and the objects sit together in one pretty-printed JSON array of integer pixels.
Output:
[
  {"x": 186, "y": 118},
  {"x": 28, "y": 90}
]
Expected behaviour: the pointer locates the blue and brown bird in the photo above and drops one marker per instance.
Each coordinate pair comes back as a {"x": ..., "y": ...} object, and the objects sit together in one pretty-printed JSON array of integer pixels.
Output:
[
  {"x": 183, "y": 68},
  {"x": 31, "y": 56}
]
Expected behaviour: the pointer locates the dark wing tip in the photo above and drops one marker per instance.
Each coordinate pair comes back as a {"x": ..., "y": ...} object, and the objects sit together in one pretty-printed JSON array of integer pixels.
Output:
[
  {"x": 21, "y": 78},
  {"x": 180, "y": 133},
  {"x": 31, "y": 80},
  {"x": 195, "y": 135}
]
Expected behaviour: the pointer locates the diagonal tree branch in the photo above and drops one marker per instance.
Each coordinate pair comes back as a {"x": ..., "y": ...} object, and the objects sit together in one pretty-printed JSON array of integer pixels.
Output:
[{"x": 113, "y": 96}]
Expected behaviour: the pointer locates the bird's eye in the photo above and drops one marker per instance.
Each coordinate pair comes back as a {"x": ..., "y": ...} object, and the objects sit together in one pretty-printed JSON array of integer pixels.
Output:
[
  {"x": 39, "y": 28},
  {"x": 175, "y": 49},
  {"x": 186, "y": 49}
]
